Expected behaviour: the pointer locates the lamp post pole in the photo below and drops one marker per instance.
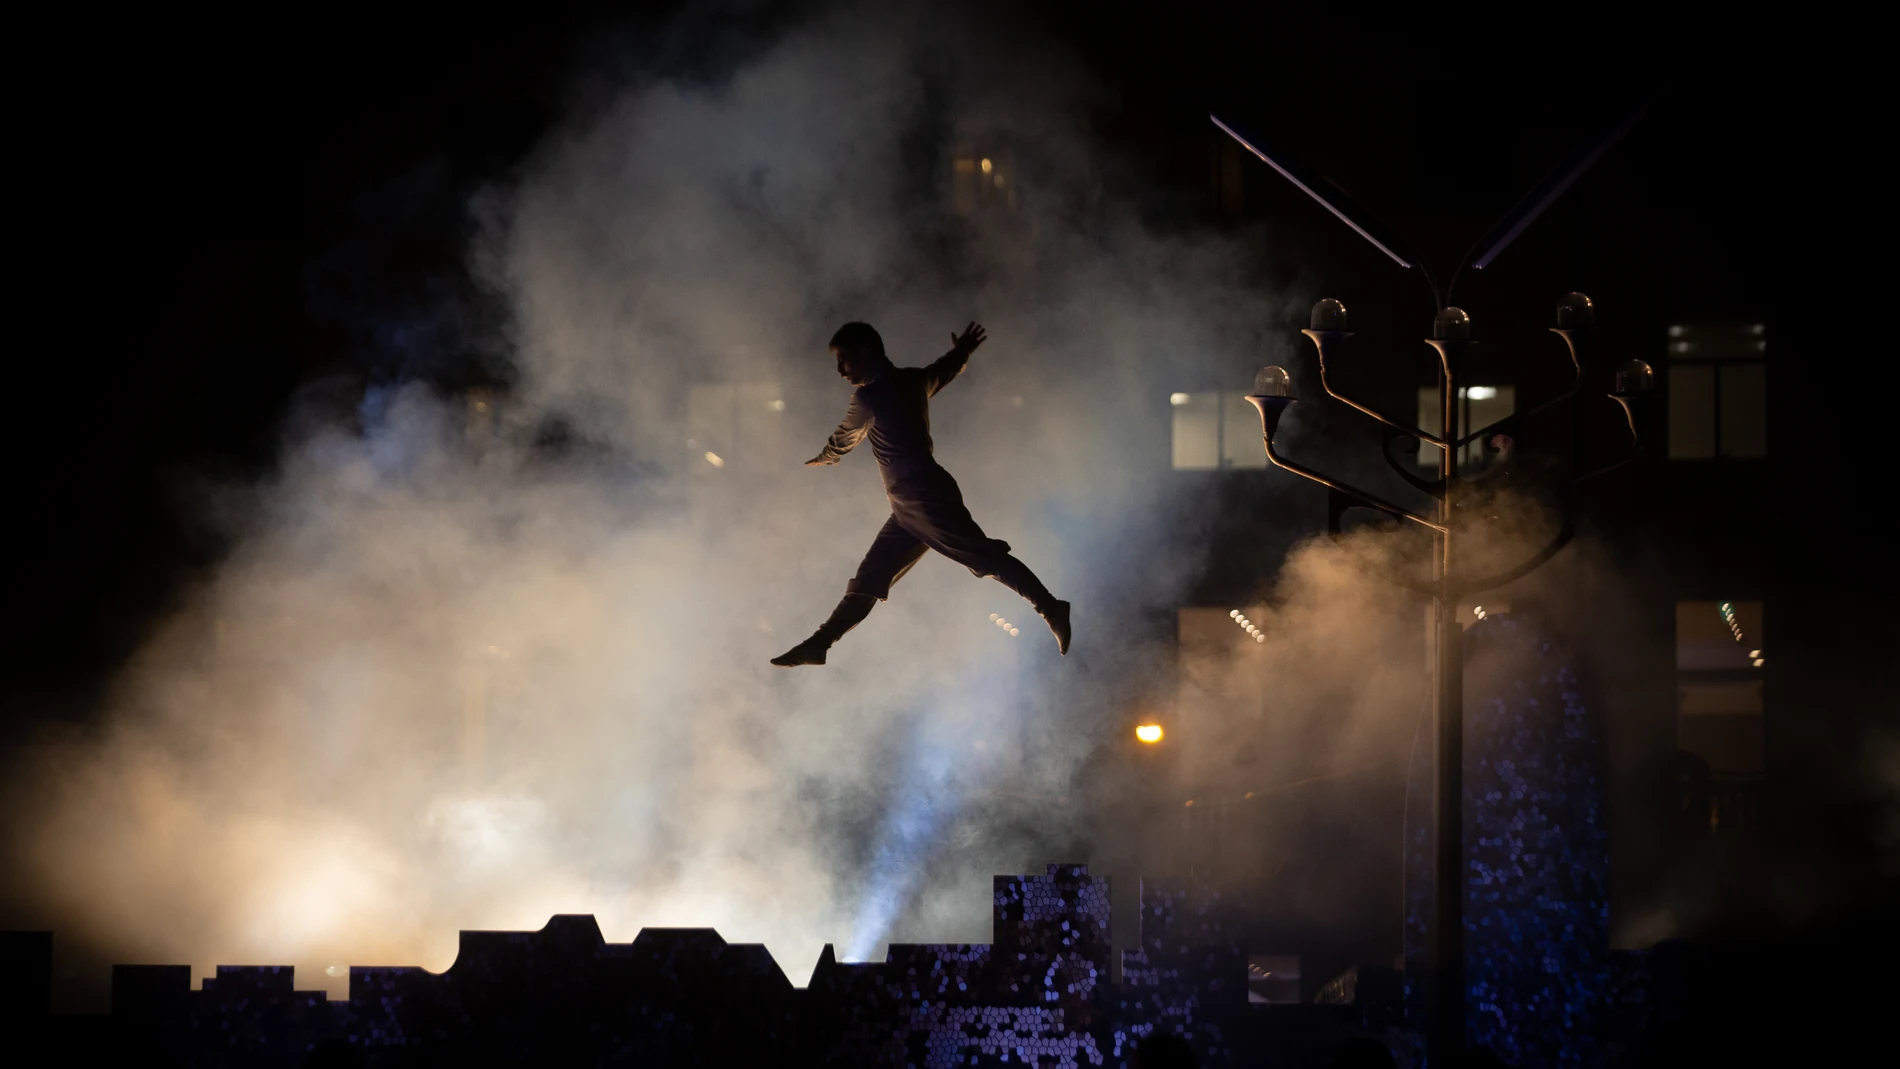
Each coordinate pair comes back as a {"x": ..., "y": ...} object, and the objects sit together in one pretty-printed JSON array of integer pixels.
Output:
[
  {"x": 1272, "y": 396},
  {"x": 1451, "y": 337},
  {"x": 1448, "y": 707}
]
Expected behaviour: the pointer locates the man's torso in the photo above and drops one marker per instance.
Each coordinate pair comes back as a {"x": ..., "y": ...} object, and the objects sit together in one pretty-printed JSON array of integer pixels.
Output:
[{"x": 899, "y": 407}]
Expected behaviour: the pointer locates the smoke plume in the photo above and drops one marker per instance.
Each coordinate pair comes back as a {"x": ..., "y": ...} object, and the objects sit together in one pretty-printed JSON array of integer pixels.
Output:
[{"x": 454, "y": 677}]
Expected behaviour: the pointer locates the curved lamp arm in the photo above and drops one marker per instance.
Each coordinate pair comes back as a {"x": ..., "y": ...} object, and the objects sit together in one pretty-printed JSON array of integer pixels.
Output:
[
  {"x": 1369, "y": 500},
  {"x": 1429, "y": 486},
  {"x": 1336, "y": 505},
  {"x": 1497, "y": 459},
  {"x": 1321, "y": 339},
  {"x": 1492, "y": 582},
  {"x": 1570, "y": 337},
  {"x": 1636, "y": 441}
]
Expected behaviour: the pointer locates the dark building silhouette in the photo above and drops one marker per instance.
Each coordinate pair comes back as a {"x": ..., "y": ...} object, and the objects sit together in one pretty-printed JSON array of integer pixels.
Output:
[{"x": 1042, "y": 993}]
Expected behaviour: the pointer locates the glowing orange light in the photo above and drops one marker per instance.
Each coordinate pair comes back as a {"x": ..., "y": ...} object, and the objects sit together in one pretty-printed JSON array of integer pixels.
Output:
[{"x": 1149, "y": 733}]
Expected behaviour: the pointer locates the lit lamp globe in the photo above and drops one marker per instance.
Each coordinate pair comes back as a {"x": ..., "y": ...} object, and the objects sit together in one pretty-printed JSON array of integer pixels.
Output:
[
  {"x": 1634, "y": 378},
  {"x": 1272, "y": 392},
  {"x": 1452, "y": 324},
  {"x": 1273, "y": 381},
  {"x": 1329, "y": 315},
  {"x": 1575, "y": 310}
]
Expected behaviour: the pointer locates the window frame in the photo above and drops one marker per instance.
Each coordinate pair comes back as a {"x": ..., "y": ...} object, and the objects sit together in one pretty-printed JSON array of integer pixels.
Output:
[
  {"x": 1757, "y": 360},
  {"x": 1223, "y": 460}
]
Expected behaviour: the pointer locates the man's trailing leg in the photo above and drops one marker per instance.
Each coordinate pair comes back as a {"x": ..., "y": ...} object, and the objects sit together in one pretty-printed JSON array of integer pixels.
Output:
[
  {"x": 850, "y": 612},
  {"x": 1016, "y": 575}
]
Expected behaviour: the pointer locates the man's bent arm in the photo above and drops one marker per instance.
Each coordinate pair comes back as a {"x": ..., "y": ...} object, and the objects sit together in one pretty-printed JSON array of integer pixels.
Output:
[
  {"x": 856, "y": 424},
  {"x": 940, "y": 371}
]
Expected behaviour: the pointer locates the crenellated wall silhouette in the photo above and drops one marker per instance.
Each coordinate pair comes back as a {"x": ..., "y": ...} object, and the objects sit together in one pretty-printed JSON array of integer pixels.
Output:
[{"x": 1041, "y": 994}]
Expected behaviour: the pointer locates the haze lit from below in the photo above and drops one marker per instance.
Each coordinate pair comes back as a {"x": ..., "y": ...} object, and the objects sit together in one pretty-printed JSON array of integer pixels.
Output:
[{"x": 447, "y": 680}]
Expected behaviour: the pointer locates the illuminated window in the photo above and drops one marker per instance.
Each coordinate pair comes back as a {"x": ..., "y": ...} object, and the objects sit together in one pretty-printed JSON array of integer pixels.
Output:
[
  {"x": 1214, "y": 430},
  {"x": 1478, "y": 408},
  {"x": 981, "y": 179},
  {"x": 1720, "y": 655},
  {"x": 731, "y": 423},
  {"x": 1718, "y": 391}
]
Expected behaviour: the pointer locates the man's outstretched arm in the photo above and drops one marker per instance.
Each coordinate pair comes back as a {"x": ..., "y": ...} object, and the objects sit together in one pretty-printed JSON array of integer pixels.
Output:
[
  {"x": 951, "y": 364},
  {"x": 851, "y": 431}
]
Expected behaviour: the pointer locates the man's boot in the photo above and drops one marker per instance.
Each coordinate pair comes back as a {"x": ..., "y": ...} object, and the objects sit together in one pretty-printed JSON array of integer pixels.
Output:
[
  {"x": 850, "y": 613},
  {"x": 1016, "y": 575}
]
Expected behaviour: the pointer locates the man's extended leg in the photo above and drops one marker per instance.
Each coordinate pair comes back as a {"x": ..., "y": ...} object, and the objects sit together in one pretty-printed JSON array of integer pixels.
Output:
[
  {"x": 1016, "y": 575},
  {"x": 932, "y": 509},
  {"x": 894, "y": 552},
  {"x": 851, "y": 611}
]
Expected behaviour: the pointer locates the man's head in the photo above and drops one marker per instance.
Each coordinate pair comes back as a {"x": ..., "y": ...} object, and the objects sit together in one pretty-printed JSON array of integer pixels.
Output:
[{"x": 860, "y": 353}]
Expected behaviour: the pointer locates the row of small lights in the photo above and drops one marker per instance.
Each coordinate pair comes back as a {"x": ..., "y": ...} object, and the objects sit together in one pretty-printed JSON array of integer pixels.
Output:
[
  {"x": 1735, "y": 628},
  {"x": 1012, "y": 629},
  {"x": 1247, "y": 626},
  {"x": 1152, "y": 733}
]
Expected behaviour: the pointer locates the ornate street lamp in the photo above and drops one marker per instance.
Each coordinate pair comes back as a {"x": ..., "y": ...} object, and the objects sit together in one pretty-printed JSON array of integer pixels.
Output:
[
  {"x": 1451, "y": 340},
  {"x": 1272, "y": 396}
]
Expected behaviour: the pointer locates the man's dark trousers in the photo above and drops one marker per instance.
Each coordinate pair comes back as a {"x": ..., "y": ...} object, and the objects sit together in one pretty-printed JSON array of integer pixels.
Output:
[{"x": 927, "y": 512}]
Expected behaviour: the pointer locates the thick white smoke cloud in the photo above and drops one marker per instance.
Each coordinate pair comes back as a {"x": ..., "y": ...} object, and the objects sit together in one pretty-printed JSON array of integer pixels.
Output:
[{"x": 448, "y": 682}]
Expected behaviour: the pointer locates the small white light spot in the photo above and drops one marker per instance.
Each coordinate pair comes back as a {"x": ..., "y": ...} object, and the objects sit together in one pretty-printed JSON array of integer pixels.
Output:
[
  {"x": 1014, "y": 631},
  {"x": 1481, "y": 393},
  {"x": 775, "y": 405},
  {"x": 715, "y": 460},
  {"x": 1178, "y": 399}
]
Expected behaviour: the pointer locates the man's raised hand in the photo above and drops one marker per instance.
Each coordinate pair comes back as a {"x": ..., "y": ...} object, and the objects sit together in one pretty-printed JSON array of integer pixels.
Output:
[{"x": 971, "y": 337}]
